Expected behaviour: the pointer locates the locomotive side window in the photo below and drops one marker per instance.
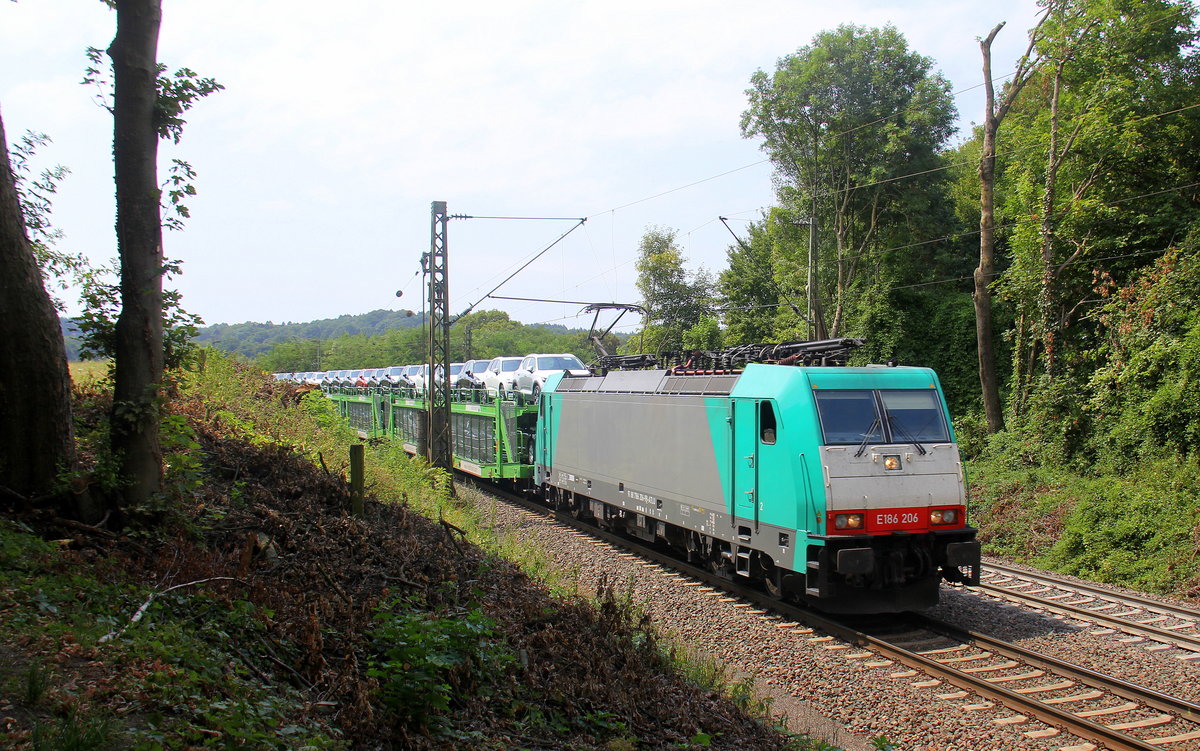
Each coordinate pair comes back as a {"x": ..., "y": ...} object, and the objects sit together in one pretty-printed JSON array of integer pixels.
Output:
[
  {"x": 766, "y": 422},
  {"x": 849, "y": 416},
  {"x": 915, "y": 416}
]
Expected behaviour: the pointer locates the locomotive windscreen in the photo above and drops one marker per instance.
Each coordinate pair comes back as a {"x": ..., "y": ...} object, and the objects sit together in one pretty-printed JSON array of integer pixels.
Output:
[{"x": 850, "y": 416}]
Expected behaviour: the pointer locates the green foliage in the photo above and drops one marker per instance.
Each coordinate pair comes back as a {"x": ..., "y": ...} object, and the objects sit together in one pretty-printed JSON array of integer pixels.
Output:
[
  {"x": 1142, "y": 534},
  {"x": 1147, "y": 391},
  {"x": 97, "y": 325},
  {"x": 852, "y": 123},
  {"x": 36, "y": 195},
  {"x": 427, "y": 661},
  {"x": 676, "y": 300},
  {"x": 1137, "y": 530},
  {"x": 748, "y": 289},
  {"x": 178, "y": 93},
  {"x": 706, "y": 334}
]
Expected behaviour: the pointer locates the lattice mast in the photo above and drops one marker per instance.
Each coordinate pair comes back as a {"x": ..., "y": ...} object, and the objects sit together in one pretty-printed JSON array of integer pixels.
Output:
[{"x": 438, "y": 445}]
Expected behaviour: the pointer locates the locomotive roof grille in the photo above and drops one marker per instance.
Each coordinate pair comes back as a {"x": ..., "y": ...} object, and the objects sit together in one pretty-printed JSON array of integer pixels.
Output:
[
  {"x": 698, "y": 384},
  {"x": 651, "y": 382},
  {"x": 826, "y": 352}
]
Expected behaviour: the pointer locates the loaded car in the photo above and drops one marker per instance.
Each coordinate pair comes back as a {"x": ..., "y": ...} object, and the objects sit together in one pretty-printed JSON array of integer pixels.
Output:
[
  {"x": 531, "y": 374},
  {"x": 393, "y": 377},
  {"x": 415, "y": 375},
  {"x": 455, "y": 369},
  {"x": 498, "y": 378},
  {"x": 471, "y": 375}
]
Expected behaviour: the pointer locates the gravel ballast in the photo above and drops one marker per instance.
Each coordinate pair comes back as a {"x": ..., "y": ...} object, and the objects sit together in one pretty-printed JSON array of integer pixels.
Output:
[{"x": 841, "y": 693}]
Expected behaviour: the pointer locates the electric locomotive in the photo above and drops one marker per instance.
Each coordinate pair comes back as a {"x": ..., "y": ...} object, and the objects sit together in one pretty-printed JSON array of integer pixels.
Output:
[{"x": 838, "y": 486}]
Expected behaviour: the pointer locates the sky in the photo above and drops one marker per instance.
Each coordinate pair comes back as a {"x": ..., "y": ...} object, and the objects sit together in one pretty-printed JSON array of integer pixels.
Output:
[{"x": 341, "y": 123}]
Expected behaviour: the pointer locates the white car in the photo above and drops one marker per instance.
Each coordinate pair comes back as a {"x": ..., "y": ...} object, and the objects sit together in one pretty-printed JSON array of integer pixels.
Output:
[
  {"x": 471, "y": 376},
  {"x": 531, "y": 375},
  {"x": 498, "y": 378},
  {"x": 455, "y": 369},
  {"x": 414, "y": 376}
]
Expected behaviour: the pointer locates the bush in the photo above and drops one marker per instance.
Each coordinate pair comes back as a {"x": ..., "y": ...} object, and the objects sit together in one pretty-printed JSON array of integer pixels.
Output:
[{"x": 424, "y": 660}]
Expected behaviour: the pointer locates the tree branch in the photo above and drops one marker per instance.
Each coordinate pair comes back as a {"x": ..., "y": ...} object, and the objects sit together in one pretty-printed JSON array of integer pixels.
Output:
[{"x": 137, "y": 616}]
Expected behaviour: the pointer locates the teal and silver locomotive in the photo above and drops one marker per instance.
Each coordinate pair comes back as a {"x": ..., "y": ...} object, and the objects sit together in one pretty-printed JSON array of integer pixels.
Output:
[{"x": 838, "y": 486}]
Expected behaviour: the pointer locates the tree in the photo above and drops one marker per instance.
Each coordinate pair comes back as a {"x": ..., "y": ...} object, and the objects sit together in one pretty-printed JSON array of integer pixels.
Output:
[
  {"x": 1106, "y": 119},
  {"x": 146, "y": 106},
  {"x": 36, "y": 432},
  {"x": 675, "y": 299},
  {"x": 747, "y": 287},
  {"x": 853, "y": 123},
  {"x": 138, "y": 342},
  {"x": 985, "y": 273}
]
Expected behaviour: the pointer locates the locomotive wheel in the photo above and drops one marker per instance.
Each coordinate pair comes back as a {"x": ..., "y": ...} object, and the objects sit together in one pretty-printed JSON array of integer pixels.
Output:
[{"x": 773, "y": 584}]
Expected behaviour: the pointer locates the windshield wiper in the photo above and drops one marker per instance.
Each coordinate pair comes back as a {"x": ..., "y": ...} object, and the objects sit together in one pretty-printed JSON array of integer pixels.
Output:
[
  {"x": 867, "y": 438},
  {"x": 898, "y": 427}
]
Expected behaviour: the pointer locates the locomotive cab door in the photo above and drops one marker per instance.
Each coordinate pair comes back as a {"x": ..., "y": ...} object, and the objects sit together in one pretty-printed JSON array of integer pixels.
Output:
[{"x": 744, "y": 459}]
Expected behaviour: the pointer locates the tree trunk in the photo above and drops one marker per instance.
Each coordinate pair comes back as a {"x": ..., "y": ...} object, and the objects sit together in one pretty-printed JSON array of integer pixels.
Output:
[
  {"x": 986, "y": 270},
  {"x": 987, "y": 242},
  {"x": 139, "y": 331},
  {"x": 36, "y": 435}
]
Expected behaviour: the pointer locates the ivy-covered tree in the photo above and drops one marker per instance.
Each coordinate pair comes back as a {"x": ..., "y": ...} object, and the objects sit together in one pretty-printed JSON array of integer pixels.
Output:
[
  {"x": 146, "y": 106},
  {"x": 1108, "y": 144}
]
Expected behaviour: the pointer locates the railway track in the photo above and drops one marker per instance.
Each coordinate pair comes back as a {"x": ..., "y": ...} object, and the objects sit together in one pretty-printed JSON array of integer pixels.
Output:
[
  {"x": 1141, "y": 617},
  {"x": 1103, "y": 711}
]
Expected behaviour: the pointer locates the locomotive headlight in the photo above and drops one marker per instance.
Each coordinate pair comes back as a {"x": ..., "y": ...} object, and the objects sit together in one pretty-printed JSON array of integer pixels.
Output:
[
  {"x": 891, "y": 461},
  {"x": 848, "y": 521},
  {"x": 943, "y": 516}
]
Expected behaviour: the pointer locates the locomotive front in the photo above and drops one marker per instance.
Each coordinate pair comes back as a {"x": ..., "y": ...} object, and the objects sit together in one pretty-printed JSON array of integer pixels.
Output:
[{"x": 889, "y": 509}]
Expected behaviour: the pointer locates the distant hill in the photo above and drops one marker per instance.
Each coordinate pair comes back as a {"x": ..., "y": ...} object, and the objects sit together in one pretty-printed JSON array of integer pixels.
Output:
[{"x": 252, "y": 339}]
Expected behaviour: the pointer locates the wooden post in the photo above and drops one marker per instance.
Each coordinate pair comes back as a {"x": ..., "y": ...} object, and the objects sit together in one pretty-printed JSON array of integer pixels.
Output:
[{"x": 356, "y": 479}]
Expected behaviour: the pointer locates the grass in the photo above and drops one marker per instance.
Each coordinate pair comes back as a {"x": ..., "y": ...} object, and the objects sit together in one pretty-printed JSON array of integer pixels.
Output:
[{"x": 89, "y": 370}]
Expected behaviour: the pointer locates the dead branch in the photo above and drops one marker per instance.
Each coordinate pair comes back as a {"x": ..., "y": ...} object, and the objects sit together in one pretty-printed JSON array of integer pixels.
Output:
[
  {"x": 450, "y": 529},
  {"x": 81, "y": 527},
  {"x": 137, "y": 616},
  {"x": 333, "y": 585}
]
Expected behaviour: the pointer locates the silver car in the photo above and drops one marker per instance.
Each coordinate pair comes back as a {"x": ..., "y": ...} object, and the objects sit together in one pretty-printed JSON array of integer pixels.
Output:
[
  {"x": 530, "y": 376},
  {"x": 498, "y": 378}
]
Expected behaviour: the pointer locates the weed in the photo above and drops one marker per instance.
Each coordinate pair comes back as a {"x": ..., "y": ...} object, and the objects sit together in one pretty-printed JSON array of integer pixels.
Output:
[
  {"x": 74, "y": 733},
  {"x": 424, "y": 661},
  {"x": 37, "y": 680}
]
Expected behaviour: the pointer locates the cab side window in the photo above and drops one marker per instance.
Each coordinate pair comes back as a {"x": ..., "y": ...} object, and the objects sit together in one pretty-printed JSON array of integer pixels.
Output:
[{"x": 767, "y": 426}]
